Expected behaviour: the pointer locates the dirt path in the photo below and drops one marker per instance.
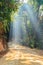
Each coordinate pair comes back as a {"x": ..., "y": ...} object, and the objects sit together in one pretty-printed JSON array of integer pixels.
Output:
[{"x": 22, "y": 55}]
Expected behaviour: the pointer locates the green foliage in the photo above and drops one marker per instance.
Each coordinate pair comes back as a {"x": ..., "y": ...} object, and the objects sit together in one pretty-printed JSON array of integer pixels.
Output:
[
  {"x": 38, "y": 9},
  {"x": 6, "y": 8},
  {"x": 32, "y": 40}
]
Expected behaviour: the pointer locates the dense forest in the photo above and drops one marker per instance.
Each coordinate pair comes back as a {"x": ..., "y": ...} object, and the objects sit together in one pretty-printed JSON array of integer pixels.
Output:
[{"x": 33, "y": 22}]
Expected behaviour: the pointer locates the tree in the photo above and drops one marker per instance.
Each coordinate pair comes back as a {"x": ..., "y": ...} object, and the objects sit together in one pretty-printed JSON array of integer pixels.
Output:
[
  {"x": 6, "y": 8},
  {"x": 36, "y": 5}
]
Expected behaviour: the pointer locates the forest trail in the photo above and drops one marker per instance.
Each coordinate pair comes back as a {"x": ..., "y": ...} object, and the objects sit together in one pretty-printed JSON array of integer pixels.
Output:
[{"x": 22, "y": 55}]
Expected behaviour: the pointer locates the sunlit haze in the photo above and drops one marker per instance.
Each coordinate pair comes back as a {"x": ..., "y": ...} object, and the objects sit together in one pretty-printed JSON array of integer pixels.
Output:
[{"x": 24, "y": 1}]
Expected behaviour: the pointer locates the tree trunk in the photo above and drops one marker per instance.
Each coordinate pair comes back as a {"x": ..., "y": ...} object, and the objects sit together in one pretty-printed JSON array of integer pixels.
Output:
[{"x": 3, "y": 43}]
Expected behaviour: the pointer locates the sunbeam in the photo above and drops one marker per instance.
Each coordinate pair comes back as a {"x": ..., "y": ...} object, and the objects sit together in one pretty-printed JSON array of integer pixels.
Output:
[
  {"x": 20, "y": 28},
  {"x": 21, "y": 32}
]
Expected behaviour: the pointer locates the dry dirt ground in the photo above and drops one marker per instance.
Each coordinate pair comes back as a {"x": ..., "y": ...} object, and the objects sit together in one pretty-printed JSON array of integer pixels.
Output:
[{"x": 21, "y": 55}]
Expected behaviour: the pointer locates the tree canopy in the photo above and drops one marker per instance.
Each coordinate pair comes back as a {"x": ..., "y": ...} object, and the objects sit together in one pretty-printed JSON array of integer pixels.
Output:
[{"x": 6, "y": 7}]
